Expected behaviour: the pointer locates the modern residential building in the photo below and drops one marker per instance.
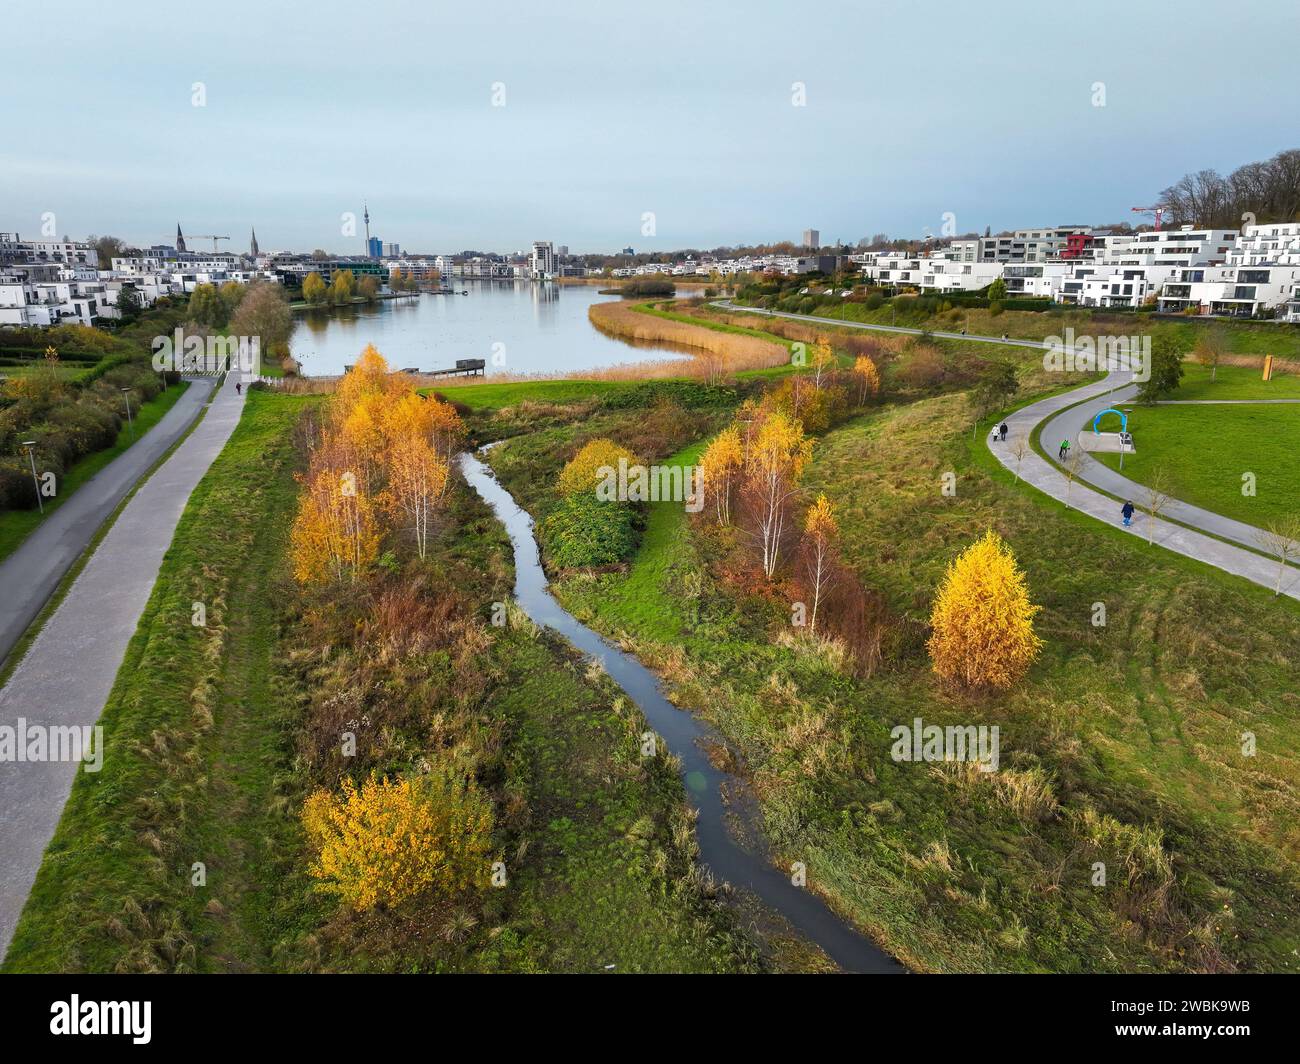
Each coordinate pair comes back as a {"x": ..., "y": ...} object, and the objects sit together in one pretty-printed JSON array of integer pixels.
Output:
[
  {"x": 1260, "y": 277},
  {"x": 14, "y": 249},
  {"x": 542, "y": 262}
]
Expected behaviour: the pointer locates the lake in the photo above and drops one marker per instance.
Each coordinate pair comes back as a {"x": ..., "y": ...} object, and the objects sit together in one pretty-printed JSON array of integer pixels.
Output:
[{"x": 531, "y": 327}]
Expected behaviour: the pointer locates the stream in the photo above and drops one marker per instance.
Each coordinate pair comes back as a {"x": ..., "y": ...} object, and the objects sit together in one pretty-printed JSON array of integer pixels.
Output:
[{"x": 683, "y": 732}]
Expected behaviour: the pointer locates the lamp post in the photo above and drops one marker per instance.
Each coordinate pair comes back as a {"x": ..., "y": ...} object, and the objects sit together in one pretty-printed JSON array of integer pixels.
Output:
[
  {"x": 36, "y": 481},
  {"x": 126, "y": 396}
]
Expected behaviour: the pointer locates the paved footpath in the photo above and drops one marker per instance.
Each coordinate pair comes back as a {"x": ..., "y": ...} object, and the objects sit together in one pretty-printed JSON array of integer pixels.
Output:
[
  {"x": 31, "y": 573},
  {"x": 1062, "y": 423},
  {"x": 67, "y": 673}
]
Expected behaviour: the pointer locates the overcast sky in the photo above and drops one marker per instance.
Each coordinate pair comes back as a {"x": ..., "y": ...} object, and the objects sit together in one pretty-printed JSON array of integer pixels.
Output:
[{"x": 684, "y": 109}]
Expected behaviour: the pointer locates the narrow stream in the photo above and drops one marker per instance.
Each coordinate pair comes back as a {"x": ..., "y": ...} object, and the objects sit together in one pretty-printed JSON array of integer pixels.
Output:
[{"x": 683, "y": 732}]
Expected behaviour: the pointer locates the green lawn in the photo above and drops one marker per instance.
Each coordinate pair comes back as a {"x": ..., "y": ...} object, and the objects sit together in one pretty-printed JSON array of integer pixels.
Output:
[
  {"x": 1206, "y": 450},
  {"x": 1235, "y": 382},
  {"x": 17, "y": 525}
]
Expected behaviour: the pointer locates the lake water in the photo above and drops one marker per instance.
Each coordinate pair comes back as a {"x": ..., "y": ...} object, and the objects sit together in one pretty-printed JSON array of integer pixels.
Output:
[{"x": 537, "y": 328}]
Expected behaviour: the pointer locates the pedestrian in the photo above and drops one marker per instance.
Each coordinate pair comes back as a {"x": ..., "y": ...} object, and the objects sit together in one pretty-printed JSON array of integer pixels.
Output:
[
  {"x": 1127, "y": 511},
  {"x": 238, "y": 387},
  {"x": 1063, "y": 450},
  {"x": 1004, "y": 431}
]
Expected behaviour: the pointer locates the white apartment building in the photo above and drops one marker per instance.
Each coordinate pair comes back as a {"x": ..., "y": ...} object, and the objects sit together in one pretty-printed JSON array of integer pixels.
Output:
[
  {"x": 14, "y": 249},
  {"x": 1261, "y": 277},
  {"x": 542, "y": 263},
  {"x": 1130, "y": 271},
  {"x": 27, "y": 300}
]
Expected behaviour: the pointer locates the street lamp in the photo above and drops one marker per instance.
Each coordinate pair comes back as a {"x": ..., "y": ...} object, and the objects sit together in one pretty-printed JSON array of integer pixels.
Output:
[
  {"x": 36, "y": 481},
  {"x": 126, "y": 396}
]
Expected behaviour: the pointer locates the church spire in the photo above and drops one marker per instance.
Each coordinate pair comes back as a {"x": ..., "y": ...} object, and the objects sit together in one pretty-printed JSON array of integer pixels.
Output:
[
  {"x": 252, "y": 246},
  {"x": 180, "y": 240}
]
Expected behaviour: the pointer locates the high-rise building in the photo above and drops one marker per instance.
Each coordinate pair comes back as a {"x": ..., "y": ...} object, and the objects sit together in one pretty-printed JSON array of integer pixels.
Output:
[
  {"x": 812, "y": 239},
  {"x": 391, "y": 251},
  {"x": 374, "y": 247},
  {"x": 543, "y": 259}
]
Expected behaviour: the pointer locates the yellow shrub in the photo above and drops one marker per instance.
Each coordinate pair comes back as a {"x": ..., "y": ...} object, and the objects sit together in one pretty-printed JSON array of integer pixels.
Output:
[
  {"x": 583, "y": 471},
  {"x": 983, "y": 631},
  {"x": 386, "y": 842}
]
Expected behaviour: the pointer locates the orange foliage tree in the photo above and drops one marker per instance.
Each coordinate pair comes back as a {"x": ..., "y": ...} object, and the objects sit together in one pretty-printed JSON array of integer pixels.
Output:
[
  {"x": 982, "y": 622},
  {"x": 334, "y": 536},
  {"x": 820, "y": 533},
  {"x": 868, "y": 378},
  {"x": 721, "y": 464},
  {"x": 777, "y": 454}
]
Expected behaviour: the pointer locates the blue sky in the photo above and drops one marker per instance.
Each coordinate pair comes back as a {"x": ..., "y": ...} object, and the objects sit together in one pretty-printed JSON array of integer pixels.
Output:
[{"x": 612, "y": 110}]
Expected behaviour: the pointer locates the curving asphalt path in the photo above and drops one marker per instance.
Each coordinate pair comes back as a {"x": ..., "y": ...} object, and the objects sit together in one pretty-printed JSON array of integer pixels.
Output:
[
  {"x": 31, "y": 573},
  {"x": 66, "y": 675},
  {"x": 1062, "y": 416}
]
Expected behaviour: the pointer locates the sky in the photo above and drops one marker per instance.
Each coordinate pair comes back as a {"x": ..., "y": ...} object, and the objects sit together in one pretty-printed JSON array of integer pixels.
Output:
[{"x": 600, "y": 125}]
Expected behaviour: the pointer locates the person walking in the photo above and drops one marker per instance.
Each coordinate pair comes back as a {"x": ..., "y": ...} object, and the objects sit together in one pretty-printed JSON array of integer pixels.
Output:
[
  {"x": 1003, "y": 430},
  {"x": 239, "y": 385},
  {"x": 1127, "y": 511}
]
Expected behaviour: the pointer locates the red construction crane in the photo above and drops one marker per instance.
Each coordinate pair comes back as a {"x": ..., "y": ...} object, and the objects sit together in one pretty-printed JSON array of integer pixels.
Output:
[{"x": 1158, "y": 211}]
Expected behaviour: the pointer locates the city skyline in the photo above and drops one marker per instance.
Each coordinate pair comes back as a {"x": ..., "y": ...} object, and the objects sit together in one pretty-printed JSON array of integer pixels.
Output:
[{"x": 469, "y": 133}]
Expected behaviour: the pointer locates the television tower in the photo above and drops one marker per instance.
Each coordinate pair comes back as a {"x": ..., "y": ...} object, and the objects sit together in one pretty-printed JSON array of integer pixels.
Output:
[{"x": 367, "y": 216}]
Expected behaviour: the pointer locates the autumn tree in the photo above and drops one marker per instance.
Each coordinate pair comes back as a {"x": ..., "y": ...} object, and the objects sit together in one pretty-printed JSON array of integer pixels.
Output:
[
  {"x": 417, "y": 477},
  {"x": 314, "y": 288},
  {"x": 820, "y": 533},
  {"x": 1166, "y": 368},
  {"x": 341, "y": 286},
  {"x": 382, "y": 843},
  {"x": 1211, "y": 348},
  {"x": 777, "y": 455},
  {"x": 334, "y": 536},
  {"x": 982, "y": 622},
  {"x": 721, "y": 464},
  {"x": 864, "y": 369},
  {"x": 264, "y": 313}
]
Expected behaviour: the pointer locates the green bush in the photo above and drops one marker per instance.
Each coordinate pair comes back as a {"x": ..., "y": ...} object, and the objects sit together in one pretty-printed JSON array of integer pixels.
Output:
[{"x": 584, "y": 531}]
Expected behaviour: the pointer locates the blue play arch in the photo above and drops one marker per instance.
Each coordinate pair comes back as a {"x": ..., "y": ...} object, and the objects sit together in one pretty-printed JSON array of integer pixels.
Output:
[{"x": 1123, "y": 417}]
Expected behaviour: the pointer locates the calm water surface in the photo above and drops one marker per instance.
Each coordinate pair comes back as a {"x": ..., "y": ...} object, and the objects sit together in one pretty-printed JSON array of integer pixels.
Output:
[{"x": 541, "y": 328}]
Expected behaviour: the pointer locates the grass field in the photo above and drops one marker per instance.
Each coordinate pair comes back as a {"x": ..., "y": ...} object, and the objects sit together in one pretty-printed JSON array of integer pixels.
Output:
[
  {"x": 1129, "y": 733},
  {"x": 201, "y": 766},
  {"x": 1205, "y": 451},
  {"x": 1234, "y": 382},
  {"x": 17, "y": 525}
]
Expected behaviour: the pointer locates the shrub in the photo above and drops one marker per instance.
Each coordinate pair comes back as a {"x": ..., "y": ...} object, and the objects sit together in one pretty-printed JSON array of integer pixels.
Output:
[
  {"x": 583, "y": 471},
  {"x": 584, "y": 531},
  {"x": 386, "y": 842}
]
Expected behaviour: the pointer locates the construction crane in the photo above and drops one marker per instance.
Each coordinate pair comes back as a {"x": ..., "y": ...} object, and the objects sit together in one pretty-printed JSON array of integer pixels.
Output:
[
  {"x": 214, "y": 239},
  {"x": 1158, "y": 211}
]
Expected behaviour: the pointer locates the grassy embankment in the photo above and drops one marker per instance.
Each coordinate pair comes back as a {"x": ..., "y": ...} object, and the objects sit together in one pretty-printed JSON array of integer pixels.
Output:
[
  {"x": 1122, "y": 746},
  {"x": 17, "y": 525},
  {"x": 201, "y": 730},
  {"x": 1245, "y": 337}
]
